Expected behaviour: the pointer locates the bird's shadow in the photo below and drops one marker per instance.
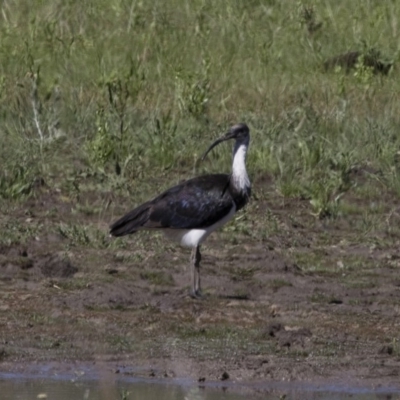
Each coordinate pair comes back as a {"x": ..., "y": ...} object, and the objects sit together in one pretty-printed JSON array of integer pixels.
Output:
[{"x": 205, "y": 296}]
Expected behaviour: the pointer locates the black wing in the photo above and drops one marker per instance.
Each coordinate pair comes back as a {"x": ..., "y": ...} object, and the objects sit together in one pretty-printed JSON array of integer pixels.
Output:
[{"x": 197, "y": 203}]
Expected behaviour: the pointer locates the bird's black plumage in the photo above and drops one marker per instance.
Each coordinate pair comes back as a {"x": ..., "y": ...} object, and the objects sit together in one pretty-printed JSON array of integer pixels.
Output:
[{"x": 194, "y": 204}]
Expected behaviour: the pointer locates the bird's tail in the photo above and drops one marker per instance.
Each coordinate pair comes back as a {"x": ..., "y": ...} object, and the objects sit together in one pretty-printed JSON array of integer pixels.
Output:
[{"x": 131, "y": 222}]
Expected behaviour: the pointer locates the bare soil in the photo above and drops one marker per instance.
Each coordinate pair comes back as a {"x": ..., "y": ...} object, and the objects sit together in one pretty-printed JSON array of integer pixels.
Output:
[{"x": 287, "y": 296}]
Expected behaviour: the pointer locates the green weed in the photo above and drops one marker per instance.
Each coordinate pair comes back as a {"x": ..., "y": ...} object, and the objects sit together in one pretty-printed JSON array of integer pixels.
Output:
[
  {"x": 83, "y": 235},
  {"x": 279, "y": 283},
  {"x": 240, "y": 274},
  {"x": 124, "y": 394},
  {"x": 192, "y": 91},
  {"x": 157, "y": 278},
  {"x": 19, "y": 232},
  {"x": 16, "y": 182}
]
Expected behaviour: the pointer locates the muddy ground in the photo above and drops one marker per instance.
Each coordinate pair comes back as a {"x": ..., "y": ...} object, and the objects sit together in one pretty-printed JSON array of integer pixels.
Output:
[{"x": 287, "y": 296}]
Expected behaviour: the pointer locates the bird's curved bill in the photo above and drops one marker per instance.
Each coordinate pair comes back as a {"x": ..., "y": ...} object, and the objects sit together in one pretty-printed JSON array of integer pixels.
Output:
[{"x": 227, "y": 136}]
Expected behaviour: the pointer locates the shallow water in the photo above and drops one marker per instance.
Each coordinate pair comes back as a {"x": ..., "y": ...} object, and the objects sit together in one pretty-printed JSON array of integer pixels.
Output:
[
  {"x": 28, "y": 389},
  {"x": 43, "y": 383},
  {"x": 61, "y": 390}
]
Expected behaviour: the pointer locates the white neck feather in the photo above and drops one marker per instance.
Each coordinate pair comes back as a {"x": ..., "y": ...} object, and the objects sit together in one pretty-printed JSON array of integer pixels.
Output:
[{"x": 239, "y": 174}]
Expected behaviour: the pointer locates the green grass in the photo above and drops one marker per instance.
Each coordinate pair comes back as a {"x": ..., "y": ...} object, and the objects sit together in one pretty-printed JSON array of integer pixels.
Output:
[
  {"x": 157, "y": 278},
  {"x": 99, "y": 99},
  {"x": 279, "y": 283}
]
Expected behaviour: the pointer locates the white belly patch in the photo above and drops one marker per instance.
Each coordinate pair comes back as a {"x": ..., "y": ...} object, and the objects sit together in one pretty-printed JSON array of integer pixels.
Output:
[{"x": 194, "y": 237}]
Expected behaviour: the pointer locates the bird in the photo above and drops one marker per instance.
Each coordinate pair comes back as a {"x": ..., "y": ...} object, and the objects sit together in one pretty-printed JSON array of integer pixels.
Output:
[{"x": 190, "y": 211}]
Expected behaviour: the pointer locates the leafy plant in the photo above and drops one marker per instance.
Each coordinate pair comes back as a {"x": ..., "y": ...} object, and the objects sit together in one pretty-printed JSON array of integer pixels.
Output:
[
  {"x": 193, "y": 91},
  {"x": 308, "y": 18},
  {"x": 16, "y": 182},
  {"x": 101, "y": 148}
]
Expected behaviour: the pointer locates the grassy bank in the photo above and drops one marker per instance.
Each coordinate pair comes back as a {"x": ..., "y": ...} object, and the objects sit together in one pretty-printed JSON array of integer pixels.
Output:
[{"x": 124, "y": 96}]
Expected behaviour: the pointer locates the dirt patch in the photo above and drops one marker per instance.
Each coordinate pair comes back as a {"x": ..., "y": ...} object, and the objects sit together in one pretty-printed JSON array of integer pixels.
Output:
[
  {"x": 307, "y": 301},
  {"x": 17, "y": 263},
  {"x": 56, "y": 266},
  {"x": 290, "y": 336}
]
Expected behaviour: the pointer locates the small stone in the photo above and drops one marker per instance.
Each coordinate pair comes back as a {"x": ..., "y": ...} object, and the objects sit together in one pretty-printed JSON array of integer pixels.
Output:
[
  {"x": 387, "y": 349},
  {"x": 335, "y": 301},
  {"x": 274, "y": 328},
  {"x": 112, "y": 271},
  {"x": 224, "y": 376}
]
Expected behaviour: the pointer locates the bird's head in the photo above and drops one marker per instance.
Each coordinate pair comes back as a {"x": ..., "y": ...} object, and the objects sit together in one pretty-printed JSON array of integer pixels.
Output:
[{"x": 239, "y": 132}]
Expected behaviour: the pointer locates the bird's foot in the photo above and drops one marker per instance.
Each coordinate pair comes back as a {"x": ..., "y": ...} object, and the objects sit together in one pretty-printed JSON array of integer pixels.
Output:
[{"x": 196, "y": 294}]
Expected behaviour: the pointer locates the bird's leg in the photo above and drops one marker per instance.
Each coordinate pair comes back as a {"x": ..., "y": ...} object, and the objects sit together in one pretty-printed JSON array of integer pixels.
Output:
[{"x": 195, "y": 269}]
